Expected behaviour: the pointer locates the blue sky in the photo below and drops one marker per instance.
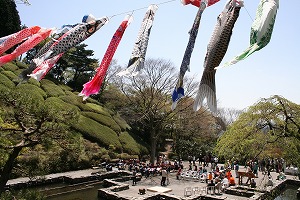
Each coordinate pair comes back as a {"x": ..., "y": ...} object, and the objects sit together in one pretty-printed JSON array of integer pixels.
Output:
[{"x": 273, "y": 70}]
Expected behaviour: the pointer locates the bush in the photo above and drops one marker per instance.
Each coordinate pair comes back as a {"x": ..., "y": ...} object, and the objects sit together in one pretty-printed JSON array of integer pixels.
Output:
[
  {"x": 98, "y": 109},
  {"x": 121, "y": 122},
  {"x": 104, "y": 120},
  {"x": 34, "y": 82},
  {"x": 5, "y": 81},
  {"x": 74, "y": 99},
  {"x": 10, "y": 67},
  {"x": 51, "y": 89},
  {"x": 9, "y": 74},
  {"x": 129, "y": 144},
  {"x": 21, "y": 65},
  {"x": 105, "y": 158},
  {"x": 29, "y": 88},
  {"x": 96, "y": 132}
]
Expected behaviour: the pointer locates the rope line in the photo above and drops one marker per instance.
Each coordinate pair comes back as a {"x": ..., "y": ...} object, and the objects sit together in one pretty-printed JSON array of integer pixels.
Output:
[
  {"x": 248, "y": 13},
  {"x": 131, "y": 11}
]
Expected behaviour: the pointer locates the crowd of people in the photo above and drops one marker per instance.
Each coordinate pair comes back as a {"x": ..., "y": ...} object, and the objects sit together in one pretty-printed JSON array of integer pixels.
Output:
[{"x": 207, "y": 170}]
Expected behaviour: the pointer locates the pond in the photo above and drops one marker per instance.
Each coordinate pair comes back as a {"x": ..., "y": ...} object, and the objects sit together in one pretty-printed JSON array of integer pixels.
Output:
[
  {"x": 81, "y": 191},
  {"x": 290, "y": 193}
]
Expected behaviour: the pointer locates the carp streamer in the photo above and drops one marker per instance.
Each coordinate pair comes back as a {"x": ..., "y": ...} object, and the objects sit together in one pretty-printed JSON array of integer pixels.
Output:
[
  {"x": 261, "y": 29},
  {"x": 216, "y": 50},
  {"x": 178, "y": 92},
  {"x": 137, "y": 59},
  {"x": 94, "y": 85}
]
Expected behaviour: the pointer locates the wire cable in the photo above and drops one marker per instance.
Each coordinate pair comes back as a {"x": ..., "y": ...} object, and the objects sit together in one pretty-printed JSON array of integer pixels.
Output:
[
  {"x": 248, "y": 14},
  {"x": 131, "y": 11}
]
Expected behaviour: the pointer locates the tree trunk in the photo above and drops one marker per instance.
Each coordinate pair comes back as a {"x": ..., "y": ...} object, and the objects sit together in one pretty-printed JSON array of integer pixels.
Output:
[
  {"x": 153, "y": 147},
  {"x": 8, "y": 167}
]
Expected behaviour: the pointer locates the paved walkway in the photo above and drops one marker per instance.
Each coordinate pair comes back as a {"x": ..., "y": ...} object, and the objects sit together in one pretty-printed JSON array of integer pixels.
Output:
[
  {"x": 71, "y": 174},
  {"x": 177, "y": 186}
]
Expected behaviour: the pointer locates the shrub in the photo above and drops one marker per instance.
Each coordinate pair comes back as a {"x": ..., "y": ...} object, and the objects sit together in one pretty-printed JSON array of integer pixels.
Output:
[
  {"x": 96, "y": 132},
  {"x": 70, "y": 111},
  {"x": 65, "y": 88},
  {"x": 21, "y": 65},
  {"x": 4, "y": 91},
  {"x": 34, "y": 82},
  {"x": 129, "y": 144},
  {"x": 10, "y": 67},
  {"x": 29, "y": 88},
  {"x": 104, "y": 120},
  {"x": 9, "y": 74},
  {"x": 93, "y": 101},
  {"x": 22, "y": 195},
  {"x": 105, "y": 158},
  {"x": 121, "y": 122},
  {"x": 51, "y": 89},
  {"x": 98, "y": 109},
  {"x": 74, "y": 99},
  {"x": 5, "y": 81}
]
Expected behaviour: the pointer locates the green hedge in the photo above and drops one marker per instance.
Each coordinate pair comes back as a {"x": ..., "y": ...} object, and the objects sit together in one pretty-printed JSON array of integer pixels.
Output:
[
  {"x": 96, "y": 132},
  {"x": 90, "y": 100},
  {"x": 30, "y": 94},
  {"x": 60, "y": 104},
  {"x": 129, "y": 144},
  {"x": 76, "y": 100},
  {"x": 104, "y": 120},
  {"x": 9, "y": 74},
  {"x": 34, "y": 82},
  {"x": 25, "y": 87},
  {"x": 4, "y": 91},
  {"x": 95, "y": 122},
  {"x": 98, "y": 109},
  {"x": 5, "y": 81},
  {"x": 121, "y": 122},
  {"x": 10, "y": 67},
  {"x": 65, "y": 88},
  {"x": 21, "y": 65},
  {"x": 51, "y": 89}
]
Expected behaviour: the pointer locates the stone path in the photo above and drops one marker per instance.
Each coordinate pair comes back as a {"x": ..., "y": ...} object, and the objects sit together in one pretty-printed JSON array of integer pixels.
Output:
[
  {"x": 72, "y": 174},
  {"x": 176, "y": 187}
]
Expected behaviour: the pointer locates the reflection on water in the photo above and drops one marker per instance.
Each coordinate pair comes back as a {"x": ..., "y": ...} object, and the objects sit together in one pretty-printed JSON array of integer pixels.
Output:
[
  {"x": 289, "y": 194},
  {"x": 87, "y": 194},
  {"x": 77, "y": 192}
]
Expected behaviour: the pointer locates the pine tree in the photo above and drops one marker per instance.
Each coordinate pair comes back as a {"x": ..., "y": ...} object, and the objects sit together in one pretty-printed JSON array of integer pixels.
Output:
[{"x": 10, "y": 20}]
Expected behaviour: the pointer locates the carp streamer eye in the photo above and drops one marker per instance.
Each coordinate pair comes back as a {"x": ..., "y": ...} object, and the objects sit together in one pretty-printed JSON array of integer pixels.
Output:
[{"x": 91, "y": 30}]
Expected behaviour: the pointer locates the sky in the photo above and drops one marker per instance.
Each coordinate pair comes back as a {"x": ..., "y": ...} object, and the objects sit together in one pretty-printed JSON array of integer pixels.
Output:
[{"x": 274, "y": 70}]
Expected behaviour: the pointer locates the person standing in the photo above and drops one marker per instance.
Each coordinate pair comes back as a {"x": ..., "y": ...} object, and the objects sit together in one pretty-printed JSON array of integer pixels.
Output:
[
  {"x": 164, "y": 175},
  {"x": 236, "y": 169},
  {"x": 178, "y": 173},
  {"x": 134, "y": 177},
  {"x": 255, "y": 169}
]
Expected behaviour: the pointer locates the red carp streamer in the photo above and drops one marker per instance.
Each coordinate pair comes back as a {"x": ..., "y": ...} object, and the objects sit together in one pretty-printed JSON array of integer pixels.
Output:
[
  {"x": 25, "y": 46},
  {"x": 94, "y": 85},
  {"x": 198, "y": 2},
  {"x": 40, "y": 72},
  {"x": 16, "y": 38}
]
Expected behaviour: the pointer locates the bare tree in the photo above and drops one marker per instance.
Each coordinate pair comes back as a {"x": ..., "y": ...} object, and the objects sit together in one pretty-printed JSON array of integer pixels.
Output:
[
  {"x": 226, "y": 116},
  {"x": 148, "y": 110}
]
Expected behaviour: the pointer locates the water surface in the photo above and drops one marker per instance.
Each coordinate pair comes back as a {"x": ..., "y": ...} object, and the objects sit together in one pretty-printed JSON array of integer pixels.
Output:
[{"x": 290, "y": 193}]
